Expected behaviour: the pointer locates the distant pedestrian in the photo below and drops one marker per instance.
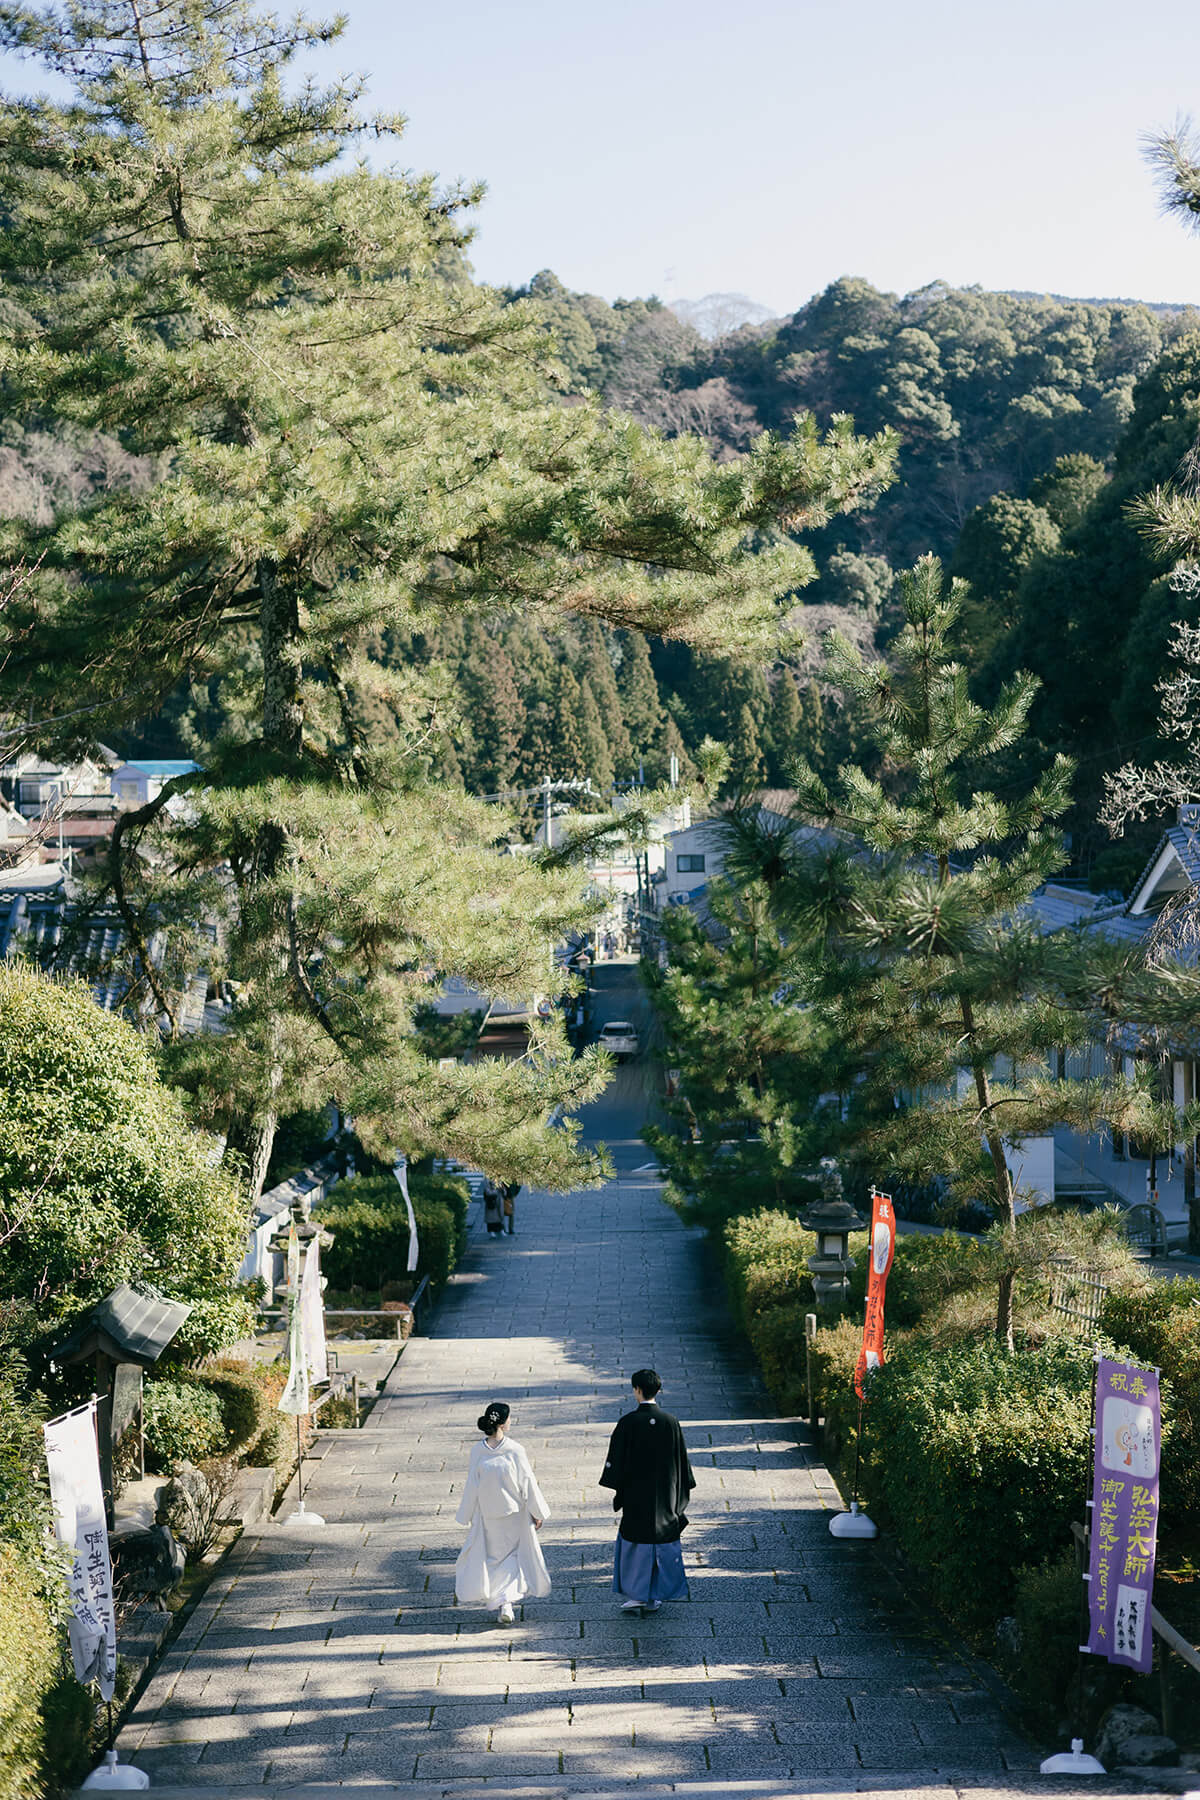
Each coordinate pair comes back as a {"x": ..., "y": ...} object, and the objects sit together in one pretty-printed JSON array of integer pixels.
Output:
[
  {"x": 508, "y": 1194},
  {"x": 493, "y": 1209},
  {"x": 649, "y": 1471},
  {"x": 501, "y": 1563}
]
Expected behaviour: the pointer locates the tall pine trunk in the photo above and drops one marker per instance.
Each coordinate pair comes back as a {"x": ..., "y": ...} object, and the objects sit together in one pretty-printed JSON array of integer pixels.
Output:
[
  {"x": 251, "y": 1134},
  {"x": 1006, "y": 1209}
]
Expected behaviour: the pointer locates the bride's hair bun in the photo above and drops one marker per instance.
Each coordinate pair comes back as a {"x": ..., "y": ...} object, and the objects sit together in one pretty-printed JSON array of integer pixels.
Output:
[{"x": 495, "y": 1413}]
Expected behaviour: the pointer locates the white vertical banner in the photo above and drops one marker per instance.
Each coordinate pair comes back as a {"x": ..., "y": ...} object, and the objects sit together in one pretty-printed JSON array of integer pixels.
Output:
[
  {"x": 294, "y": 1398},
  {"x": 312, "y": 1315},
  {"x": 400, "y": 1171},
  {"x": 77, "y": 1496}
]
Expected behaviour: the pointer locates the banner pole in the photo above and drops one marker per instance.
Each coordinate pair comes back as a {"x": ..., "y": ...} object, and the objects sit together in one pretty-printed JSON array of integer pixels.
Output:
[
  {"x": 858, "y": 1450},
  {"x": 1076, "y": 1760},
  {"x": 61, "y": 1418}
]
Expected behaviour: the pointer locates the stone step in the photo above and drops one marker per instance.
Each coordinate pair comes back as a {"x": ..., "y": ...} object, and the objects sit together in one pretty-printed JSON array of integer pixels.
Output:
[
  {"x": 1125, "y": 1785},
  {"x": 558, "y": 1788}
]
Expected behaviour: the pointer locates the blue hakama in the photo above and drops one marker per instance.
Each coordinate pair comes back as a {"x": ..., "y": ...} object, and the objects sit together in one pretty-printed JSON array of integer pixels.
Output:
[{"x": 649, "y": 1572}]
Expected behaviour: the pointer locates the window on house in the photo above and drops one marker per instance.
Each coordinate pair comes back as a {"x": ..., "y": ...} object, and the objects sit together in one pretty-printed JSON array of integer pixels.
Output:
[{"x": 689, "y": 865}]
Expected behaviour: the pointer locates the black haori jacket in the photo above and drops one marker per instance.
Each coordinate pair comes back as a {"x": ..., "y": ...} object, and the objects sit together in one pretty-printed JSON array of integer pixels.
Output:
[{"x": 649, "y": 1470}]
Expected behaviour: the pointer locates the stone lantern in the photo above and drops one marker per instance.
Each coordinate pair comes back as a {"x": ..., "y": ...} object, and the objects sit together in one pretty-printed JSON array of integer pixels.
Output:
[
  {"x": 306, "y": 1230},
  {"x": 833, "y": 1219}
]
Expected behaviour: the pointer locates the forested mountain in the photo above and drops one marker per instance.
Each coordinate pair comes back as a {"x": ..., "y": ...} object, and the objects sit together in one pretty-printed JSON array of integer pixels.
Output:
[{"x": 1026, "y": 425}]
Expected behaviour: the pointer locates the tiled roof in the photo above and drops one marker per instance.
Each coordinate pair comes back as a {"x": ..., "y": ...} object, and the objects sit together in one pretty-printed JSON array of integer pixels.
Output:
[
  {"x": 1184, "y": 842},
  {"x": 138, "y": 1322},
  {"x": 61, "y": 938}
]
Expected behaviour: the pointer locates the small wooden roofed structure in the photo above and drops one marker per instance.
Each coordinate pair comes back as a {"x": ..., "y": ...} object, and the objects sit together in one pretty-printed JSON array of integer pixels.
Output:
[{"x": 124, "y": 1335}]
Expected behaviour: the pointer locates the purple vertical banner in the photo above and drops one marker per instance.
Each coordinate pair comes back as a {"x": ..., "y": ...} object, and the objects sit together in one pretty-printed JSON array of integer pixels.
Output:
[{"x": 1124, "y": 1514}]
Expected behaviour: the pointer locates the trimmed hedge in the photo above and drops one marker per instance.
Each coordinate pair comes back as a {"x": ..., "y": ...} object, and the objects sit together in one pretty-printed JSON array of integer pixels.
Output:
[
  {"x": 1158, "y": 1322},
  {"x": 1046, "y": 1612},
  {"x": 29, "y": 1659},
  {"x": 246, "y": 1405},
  {"x": 370, "y": 1230},
  {"x": 183, "y": 1421},
  {"x": 766, "y": 1264},
  {"x": 45, "y": 1716},
  {"x": 979, "y": 1460}
]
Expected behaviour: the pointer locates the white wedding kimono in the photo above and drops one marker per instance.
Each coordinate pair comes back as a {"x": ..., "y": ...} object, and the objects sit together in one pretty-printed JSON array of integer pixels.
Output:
[{"x": 501, "y": 1562}]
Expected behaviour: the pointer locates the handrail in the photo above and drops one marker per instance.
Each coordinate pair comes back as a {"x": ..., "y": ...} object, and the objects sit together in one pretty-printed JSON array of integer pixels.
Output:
[
  {"x": 422, "y": 1297},
  {"x": 356, "y": 1312},
  {"x": 1166, "y": 1631}
]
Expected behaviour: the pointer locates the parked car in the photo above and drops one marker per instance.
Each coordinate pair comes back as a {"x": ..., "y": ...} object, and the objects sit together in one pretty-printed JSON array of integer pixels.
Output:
[{"x": 619, "y": 1037}]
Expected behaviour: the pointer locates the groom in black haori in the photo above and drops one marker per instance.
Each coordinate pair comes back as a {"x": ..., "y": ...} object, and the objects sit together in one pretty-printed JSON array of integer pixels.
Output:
[{"x": 649, "y": 1471}]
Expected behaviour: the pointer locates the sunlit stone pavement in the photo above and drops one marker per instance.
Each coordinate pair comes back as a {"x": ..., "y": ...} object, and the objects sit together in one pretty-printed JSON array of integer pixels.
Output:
[{"x": 340, "y": 1658}]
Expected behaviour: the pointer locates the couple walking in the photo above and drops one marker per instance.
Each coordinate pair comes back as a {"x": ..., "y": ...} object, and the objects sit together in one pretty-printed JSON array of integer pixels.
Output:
[{"x": 501, "y": 1563}]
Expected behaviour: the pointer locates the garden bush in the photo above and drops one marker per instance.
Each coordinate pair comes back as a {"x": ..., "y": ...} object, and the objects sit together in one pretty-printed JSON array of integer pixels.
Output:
[
  {"x": 183, "y": 1421},
  {"x": 777, "y": 1339},
  {"x": 45, "y": 1716},
  {"x": 1158, "y": 1322},
  {"x": 29, "y": 1661},
  {"x": 979, "y": 1459},
  {"x": 1044, "y": 1660},
  {"x": 447, "y": 1190},
  {"x": 246, "y": 1405},
  {"x": 370, "y": 1229},
  {"x": 766, "y": 1256},
  {"x": 102, "y": 1175}
]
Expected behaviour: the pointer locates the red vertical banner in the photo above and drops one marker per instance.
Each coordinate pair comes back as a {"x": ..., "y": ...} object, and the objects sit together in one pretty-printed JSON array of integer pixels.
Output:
[{"x": 883, "y": 1246}]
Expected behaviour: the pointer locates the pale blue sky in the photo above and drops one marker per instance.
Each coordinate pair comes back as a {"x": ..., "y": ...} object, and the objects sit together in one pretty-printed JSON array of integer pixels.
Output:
[{"x": 690, "y": 146}]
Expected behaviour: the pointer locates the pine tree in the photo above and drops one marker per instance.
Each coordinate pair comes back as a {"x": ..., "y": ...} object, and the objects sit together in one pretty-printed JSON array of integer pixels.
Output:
[
  {"x": 641, "y": 707},
  {"x": 745, "y": 752},
  {"x": 597, "y": 670},
  {"x": 926, "y": 975},
  {"x": 749, "y": 1126},
  {"x": 785, "y": 724},
  {"x": 670, "y": 745},
  {"x": 495, "y": 713},
  {"x": 352, "y": 436},
  {"x": 598, "y": 764}
]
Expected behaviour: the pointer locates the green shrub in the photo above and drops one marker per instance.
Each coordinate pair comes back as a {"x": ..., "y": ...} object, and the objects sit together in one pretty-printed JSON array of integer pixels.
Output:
[
  {"x": 1158, "y": 1322},
  {"x": 1046, "y": 1604},
  {"x": 447, "y": 1190},
  {"x": 216, "y": 1322},
  {"x": 436, "y": 1235},
  {"x": 29, "y": 1657},
  {"x": 834, "y": 1357},
  {"x": 980, "y": 1460},
  {"x": 777, "y": 1339},
  {"x": 370, "y": 1230},
  {"x": 69, "y": 1731},
  {"x": 183, "y": 1421},
  {"x": 766, "y": 1263},
  {"x": 244, "y": 1402},
  {"x": 926, "y": 1271},
  {"x": 102, "y": 1177}
]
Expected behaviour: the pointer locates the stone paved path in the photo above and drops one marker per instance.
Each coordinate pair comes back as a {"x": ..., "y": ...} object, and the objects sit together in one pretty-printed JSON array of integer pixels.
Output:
[{"x": 342, "y": 1658}]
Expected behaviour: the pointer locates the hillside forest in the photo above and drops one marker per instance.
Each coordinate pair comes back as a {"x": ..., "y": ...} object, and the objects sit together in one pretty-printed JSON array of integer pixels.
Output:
[{"x": 1026, "y": 424}]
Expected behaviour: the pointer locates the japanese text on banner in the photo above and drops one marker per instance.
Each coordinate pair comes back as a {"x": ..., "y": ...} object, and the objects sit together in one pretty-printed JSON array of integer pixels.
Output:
[
  {"x": 1124, "y": 1525},
  {"x": 77, "y": 1496}
]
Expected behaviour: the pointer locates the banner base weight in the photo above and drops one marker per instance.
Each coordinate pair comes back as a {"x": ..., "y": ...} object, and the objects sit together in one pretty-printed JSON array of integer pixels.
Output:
[
  {"x": 852, "y": 1524},
  {"x": 114, "y": 1775},
  {"x": 301, "y": 1519},
  {"x": 1074, "y": 1761}
]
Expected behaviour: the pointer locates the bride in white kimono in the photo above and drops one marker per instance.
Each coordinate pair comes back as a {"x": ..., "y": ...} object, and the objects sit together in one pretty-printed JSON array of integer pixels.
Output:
[{"x": 501, "y": 1562}]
